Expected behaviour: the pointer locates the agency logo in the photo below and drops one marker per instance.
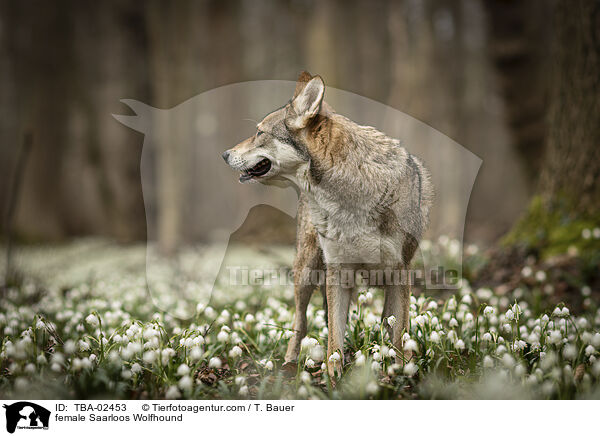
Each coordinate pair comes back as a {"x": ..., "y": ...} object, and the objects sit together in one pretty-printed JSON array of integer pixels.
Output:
[{"x": 26, "y": 415}]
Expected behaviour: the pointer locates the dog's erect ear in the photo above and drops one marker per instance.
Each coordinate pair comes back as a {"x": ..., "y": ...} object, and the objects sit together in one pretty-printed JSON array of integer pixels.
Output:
[
  {"x": 303, "y": 79},
  {"x": 306, "y": 104}
]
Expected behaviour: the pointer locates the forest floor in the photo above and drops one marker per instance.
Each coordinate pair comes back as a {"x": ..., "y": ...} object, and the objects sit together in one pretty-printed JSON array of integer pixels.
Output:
[{"x": 81, "y": 321}]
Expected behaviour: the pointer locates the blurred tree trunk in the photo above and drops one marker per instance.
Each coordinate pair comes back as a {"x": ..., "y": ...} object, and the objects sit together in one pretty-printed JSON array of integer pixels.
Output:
[
  {"x": 170, "y": 54},
  {"x": 517, "y": 42},
  {"x": 572, "y": 166},
  {"x": 568, "y": 197}
]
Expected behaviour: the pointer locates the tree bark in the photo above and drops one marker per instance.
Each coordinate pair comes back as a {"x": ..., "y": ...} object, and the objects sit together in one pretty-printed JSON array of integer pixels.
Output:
[
  {"x": 571, "y": 169},
  {"x": 567, "y": 200},
  {"x": 517, "y": 43}
]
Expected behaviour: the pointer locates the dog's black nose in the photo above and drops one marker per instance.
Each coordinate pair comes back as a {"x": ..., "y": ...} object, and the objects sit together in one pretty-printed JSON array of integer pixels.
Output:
[{"x": 225, "y": 155}]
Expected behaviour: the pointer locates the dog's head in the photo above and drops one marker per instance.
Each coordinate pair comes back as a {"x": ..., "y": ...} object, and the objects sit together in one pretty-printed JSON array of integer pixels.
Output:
[{"x": 279, "y": 146}]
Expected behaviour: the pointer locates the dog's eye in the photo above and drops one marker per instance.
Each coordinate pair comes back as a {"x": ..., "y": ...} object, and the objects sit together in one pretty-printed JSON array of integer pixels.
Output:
[{"x": 259, "y": 132}]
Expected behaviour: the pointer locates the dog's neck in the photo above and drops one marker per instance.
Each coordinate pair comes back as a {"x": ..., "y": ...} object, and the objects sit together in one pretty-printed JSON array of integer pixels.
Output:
[{"x": 338, "y": 176}]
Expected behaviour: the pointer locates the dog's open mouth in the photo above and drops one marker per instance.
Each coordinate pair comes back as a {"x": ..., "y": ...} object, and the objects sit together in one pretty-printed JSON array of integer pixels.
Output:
[{"x": 260, "y": 169}]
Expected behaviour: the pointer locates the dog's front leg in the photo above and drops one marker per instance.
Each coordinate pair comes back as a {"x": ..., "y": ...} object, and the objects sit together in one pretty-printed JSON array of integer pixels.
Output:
[
  {"x": 397, "y": 303},
  {"x": 338, "y": 304},
  {"x": 302, "y": 293}
]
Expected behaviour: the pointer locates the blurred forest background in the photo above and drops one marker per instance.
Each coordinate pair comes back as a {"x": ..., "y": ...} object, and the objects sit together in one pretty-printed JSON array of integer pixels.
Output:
[{"x": 479, "y": 71}]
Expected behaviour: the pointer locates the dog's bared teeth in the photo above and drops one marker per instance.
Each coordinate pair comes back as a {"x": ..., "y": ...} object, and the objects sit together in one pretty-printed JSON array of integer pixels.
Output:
[{"x": 260, "y": 169}]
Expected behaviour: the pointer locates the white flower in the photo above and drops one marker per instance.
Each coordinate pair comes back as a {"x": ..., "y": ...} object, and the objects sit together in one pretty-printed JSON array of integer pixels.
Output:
[
  {"x": 360, "y": 360},
  {"x": 487, "y": 336},
  {"x": 223, "y": 336},
  {"x": 305, "y": 377},
  {"x": 165, "y": 355},
  {"x": 136, "y": 368},
  {"x": 308, "y": 343},
  {"x": 196, "y": 354},
  {"x": 235, "y": 352},
  {"x": 510, "y": 315},
  {"x": 375, "y": 366},
  {"x": 269, "y": 365},
  {"x": 467, "y": 299},
  {"x": 508, "y": 360},
  {"x": 371, "y": 320},
  {"x": 317, "y": 353},
  {"x": 69, "y": 346},
  {"x": 183, "y": 369},
  {"x": 391, "y": 320},
  {"x": 488, "y": 311},
  {"x": 410, "y": 369},
  {"x": 411, "y": 345},
  {"x": 214, "y": 362},
  {"x": 92, "y": 320},
  {"x": 309, "y": 363},
  {"x": 186, "y": 382},
  {"x": 372, "y": 388},
  {"x": 150, "y": 333},
  {"x": 564, "y": 312},
  {"x": 451, "y": 304},
  {"x": 243, "y": 391},
  {"x": 391, "y": 353},
  {"x": 434, "y": 337},
  {"x": 172, "y": 393},
  {"x": 596, "y": 340},
  {"x": 149, "y": 356},
  {"x": 569, "y": 352},
  {"x": 555, "y": 337},
  {"x": 586, "y": 233},
  {"x": 519, "y": 370},
  {"x": 589, "y": 350},
  {"x": 453, "y": 323},
  {"x": 518, "y": 345},
  {"x": 362, "y": 299},
  {"x": 335, "y": 357},
  {"x": 540, "y": 276},
  {"x": 488, "y": 362},
  {"x": 459, "y": 345}
]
